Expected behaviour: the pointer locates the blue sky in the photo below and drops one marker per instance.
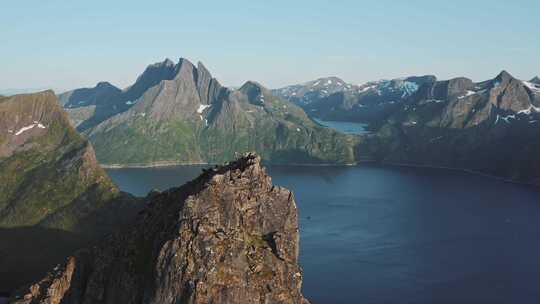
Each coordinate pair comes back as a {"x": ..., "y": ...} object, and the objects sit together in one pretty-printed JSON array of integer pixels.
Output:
[{"x": 68, "y": 44}]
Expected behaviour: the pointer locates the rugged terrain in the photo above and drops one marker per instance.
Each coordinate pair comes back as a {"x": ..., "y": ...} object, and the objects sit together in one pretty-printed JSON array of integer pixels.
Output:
[
  {"x": 89, "y": 106},
  {"x": 332, "y": 99},
  {"x": 491, "y": 127},
  {"x": 229, "y": 236},
  {"x": 184, "y": 115},
  {"x": 51, "y": 187},
  {"x": 49, "y": 175}
]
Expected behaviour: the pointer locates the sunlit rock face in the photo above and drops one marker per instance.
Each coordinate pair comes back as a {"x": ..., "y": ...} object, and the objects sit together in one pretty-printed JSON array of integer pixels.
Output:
[{"x": 228, "y": 236}]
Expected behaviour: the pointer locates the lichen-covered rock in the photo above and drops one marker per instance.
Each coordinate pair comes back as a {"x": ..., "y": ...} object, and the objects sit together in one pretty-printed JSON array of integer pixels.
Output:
[{"x": 229, "y": 236}]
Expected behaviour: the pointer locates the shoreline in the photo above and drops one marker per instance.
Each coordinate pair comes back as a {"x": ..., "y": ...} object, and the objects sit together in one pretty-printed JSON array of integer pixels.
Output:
[
  {"x": 469, "y": 171},
  {"x": 357, "y": 163},
  {"x": 151, "y": 165},
  {"x": 165, "y": 164}
]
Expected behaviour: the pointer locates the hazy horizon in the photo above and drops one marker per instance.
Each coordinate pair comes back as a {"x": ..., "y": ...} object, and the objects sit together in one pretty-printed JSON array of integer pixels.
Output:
[{"x": 69, "y": 45}]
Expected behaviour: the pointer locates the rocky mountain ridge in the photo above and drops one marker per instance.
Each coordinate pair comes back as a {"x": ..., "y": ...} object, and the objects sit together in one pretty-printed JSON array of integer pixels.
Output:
[
  {"x": 348, "y": 102},
  {"x": 306, "y": 93},
  {"x": 90, "y": 106},
  {"x": 191, "y": 118},
  {"x": 229, "y": 236},
  {"x": 490, "y": 126}
]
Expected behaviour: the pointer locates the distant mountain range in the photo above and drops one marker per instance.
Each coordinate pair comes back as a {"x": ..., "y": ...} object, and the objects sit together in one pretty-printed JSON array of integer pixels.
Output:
[
  {"x": 333, "y": 99},
  {"x": 55, "y": 197},
  {"x": 491, "y": 126},
  {"x": 178, "y": 113}
]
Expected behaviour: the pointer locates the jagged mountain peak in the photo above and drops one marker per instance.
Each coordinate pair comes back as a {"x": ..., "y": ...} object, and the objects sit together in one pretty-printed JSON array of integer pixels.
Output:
[
  {"x": 202, "y": 67},
  {"x": 504, "y": 76},
  {"x": 536, "y": 80},
  {"x": 199, "y": 243},
  {"x": 152, "y": 75},
  {"x": 199, "y": 73},
  {"x": 184, "y": 61},
  {"x": 105, "y": 85},
  {"x": 250, "y": 85},
  {"x": 166, "y": 62},
  {"x": 255, "y": 92}
]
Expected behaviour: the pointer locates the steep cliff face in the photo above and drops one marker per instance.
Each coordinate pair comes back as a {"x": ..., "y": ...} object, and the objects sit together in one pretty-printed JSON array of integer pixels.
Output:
[
  {"x": 229, "y": 236},
  {"x": 191, "y": 118}
]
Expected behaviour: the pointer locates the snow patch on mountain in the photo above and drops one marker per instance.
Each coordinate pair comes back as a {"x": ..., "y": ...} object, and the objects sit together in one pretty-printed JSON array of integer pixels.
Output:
[
  {"x": 29, "y": 127},
  {"x": 529, "y": 110},
  {"x": 505, "y": 118},
  {"x": 201, "y": 108},
  {"x": 467, "y": 94},
  {"x": 532, "y": 86}
]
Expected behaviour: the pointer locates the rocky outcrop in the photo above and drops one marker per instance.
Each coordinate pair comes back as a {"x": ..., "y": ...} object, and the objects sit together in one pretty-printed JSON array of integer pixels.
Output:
[{"x": 229, "y": 236}]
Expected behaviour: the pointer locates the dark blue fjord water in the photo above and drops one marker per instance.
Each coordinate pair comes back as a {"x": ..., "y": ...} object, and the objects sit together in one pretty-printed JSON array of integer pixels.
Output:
[{"x": 374, "y": 234}]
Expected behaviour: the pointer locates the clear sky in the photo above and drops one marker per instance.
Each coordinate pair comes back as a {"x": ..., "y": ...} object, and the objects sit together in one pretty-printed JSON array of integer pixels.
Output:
[{"x": 68, "y": 44}]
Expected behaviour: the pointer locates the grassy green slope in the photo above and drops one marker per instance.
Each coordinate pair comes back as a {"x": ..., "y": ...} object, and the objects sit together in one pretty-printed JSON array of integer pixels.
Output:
[{"x": 53, "y": 180}]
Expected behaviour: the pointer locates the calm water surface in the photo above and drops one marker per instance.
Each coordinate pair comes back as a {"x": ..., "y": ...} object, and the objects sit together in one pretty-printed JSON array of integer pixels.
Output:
[
  {"x": 401, "y": 235},
  {"x": 344, "y": 126}
]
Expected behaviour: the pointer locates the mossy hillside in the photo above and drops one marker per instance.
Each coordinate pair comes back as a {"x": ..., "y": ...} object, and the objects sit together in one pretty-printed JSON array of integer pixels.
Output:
[
  {"x": 278, "y": 143},
  {"x": 16, "y": 169},
  {"x": 143, "y": 141},
  {"x": 40, "y": 185},
  {"x": 280, "y": 132},
  {"x": 52, "y": 180}
]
